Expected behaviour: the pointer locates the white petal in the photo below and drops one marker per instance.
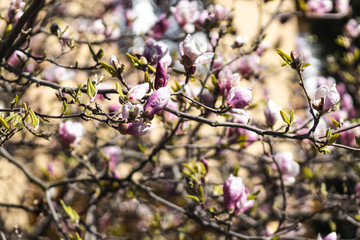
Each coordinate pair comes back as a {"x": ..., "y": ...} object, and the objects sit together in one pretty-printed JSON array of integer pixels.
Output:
[{"x": 205, "y": 58}]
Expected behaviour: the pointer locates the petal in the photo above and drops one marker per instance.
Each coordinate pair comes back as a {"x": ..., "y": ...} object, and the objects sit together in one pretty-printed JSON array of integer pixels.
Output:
[
  {"x": 321, "y": 92},
  {"x": 205, "y": 58}
]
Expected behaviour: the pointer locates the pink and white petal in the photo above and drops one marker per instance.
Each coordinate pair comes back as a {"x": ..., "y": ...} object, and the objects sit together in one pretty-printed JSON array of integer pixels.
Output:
[{"x": 205, "y": 58}]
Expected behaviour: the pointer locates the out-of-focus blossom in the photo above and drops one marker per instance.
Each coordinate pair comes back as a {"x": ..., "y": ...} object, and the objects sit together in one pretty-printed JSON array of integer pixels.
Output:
[
  {"x": 134, "y": 128},
  {"x": 50, "y": 168},
  {"x": 239, "y": 116},
  {"x": 352, "y": 28},
  {"x": 221, "y": 13},
  {"x": 155, "y": 52},
  {"x": 319, "y": 7},
  {"x": 348, "y": 137},
  {"x": 58, "y": 74},
  {"x": 192, "y": 52},
  {"x": 145, "y": 16},
  {"x": 204, "y": 15},
  {"x": 174, "y": 105},
  {"x": 157, "y": 101},
  {"x": 186, "y": 13},
  {"x": 97, "y": 27},
  {"x": 239, "y": 97},
  {"x": 288, "y": 167},
  {"x": 71, "y": 132},
  {"x": 330, "y": 236},
  {"x": 131, "y": 111},
  {"x": 114, "y": 107},
  {"x": 235, "y": 195},
  {"x": 15, "y": 10},
  {"x": 239, "y": 41},
  {"x": 272, "y": 113},
  {"x": 203, "y": 94},
  {"x": 130, "y": 17},
  {"x": 249, "y": 65},
  {"x": 357, "y": 188},
  {"x": 325, "y": 98},
  {"x": 137, "y": 92},
  {"x": 227, "y": 80},
  {"x": 264, "y": 45},
  {"x": 161, "y": 78},
  {"x": 113, "y": 154},
  {"x": 17, "y": 59},
  {"x": 161, "y": 26},
  {"x": 342, "y": 6}
]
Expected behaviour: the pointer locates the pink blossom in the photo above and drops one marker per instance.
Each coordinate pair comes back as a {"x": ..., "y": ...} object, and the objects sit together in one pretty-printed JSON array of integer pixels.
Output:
[
  {"x": 352, "y": 28},
  {"x": 161, "y": 78},
  {"x": 272, "y": 113},
  {"x": 227, "y": 80},
  {"x": 113, "y": 154},
  {"x": 131, "y": 111},
  {"x": 161, "y": 26},
  {"x": 137, "y": 92},
  {"x": 157, "y": 101},
  {"x": 319, "y": 7},
  {"x": 134, "y": 128},
  {"x": 235, "y": 195},
  {"x": 342, "y": 6},
  {"x": 288, "y": 167},
  {"x": 192, "y": 52},
  {"x": 186, "y": 13},
  {"x": 58, "y": 74},
  {"x": 325, "y": 98},
  {"x": 17, "y": 59},
  {"x": 239, "y": 97},
  {"x": 330, "y": 236},
  {"x": 71, "y": 132},
  {"x": 249, "y": 65},
  {"x": 157, "y": 51}
]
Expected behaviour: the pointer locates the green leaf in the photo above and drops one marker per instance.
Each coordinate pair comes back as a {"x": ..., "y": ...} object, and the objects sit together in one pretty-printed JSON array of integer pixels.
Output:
[
  {"x": 4, "y": 123},
  {"x": 308, "y": 173},
  {"x": 254, "y": 195},
  {"x": 142, "y": 148},
  {"x": 357, "y": 140},
  {"x": 201, "y": 191},
  {"x": 78, "y": 92},
  {"x": 151, "y": 68},
  {"x": 284, "y": 56},
  {"x": 34, "y": 119},
  {"x": 189, "y": 167},
  {"x": 323, "y": 190},
  {"x": 64, "y": 106},
  {"x": 328, "y": 133},
  {"x": 74, "y": 216},
  {"x": 324, "y": 150},
  {"x": 100, "y": 54},
  {"x": 306, "y": 65},
  {"x": 285, "y": 118},
  {"x": 110, "y": 69},
  {"x": 333, "y": 138},
  {"x": 119, "y": 89},
  {"x": 134, "y": 61},
  {"x": 291, "y": 116},
  {"x": 92, "y": 52},
  {"x": 91, "y": 89},
  {"x": 195, "y": 198},
  {"x": 14, "y": 102},
  {"x": 335, "y": 123}
]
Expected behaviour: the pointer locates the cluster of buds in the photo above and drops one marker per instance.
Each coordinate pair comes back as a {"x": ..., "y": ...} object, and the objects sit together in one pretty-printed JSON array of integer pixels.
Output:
[{"x": 236, "y": 195}]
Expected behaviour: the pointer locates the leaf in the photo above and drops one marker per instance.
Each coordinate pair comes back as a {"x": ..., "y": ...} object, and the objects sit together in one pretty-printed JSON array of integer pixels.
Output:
[
  {"x": 284, "y": 56},
  {"x": 74, "y": 216},
  {"x": 91, "y": 89},
  {"x": 335, "y": 123},
  {"x": 254, "y": 195},
  {"x": 328, "y": 133},
  {"x": 306, "y": 65},
  {"x": 119, "y": 89},
  {"x": 142, "y": 148},
  {"x": 64, "y": 106},
  {"x": 189, "y": 167},
  {"x": 110, "y": 69},
  {"x": 34, "y": 119},
  {"x": 333, "y": 138},
  {"x": 357, "y": 140},
  {"x": 324, "y": 150},
  {"x": 308, "y": 173},
  {"x": 193, "y": 198},
  {"x": 291, "y": 116},
  {"x": 201, "y": 191},
  {"x": 285, "y": 118},
  {"x": 14, "y": 102},
  {"x": 151, "y": 68},
  {"x": 4, "y": 123},
  {"x": 323, "y": 190},
  {"x": 100, "y": 54},
  {"x": 92, "y": 52},
  {"x": 78, "y": 92}
]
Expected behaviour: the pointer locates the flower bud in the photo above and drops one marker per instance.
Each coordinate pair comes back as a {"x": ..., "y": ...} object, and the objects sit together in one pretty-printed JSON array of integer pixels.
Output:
[
  {"x": 71, "y": 132},
  {"x": 325, "y": 98},
  {"x": 272, "y": 113},
  {"x": 289, "y": 168},
  {"x": 239, "y": 97},
  {"x": 136, "y": 93},
  {"x": 233, "y": 188},
  {"x": 134, "y": 128},
  {"x": 192, "y": 52},
  {"x": 113, "y": 154},
  {"x": 157, "y": 101},
  {"x": 131, "y": 111},
  {"x": 161, "y": 78}
]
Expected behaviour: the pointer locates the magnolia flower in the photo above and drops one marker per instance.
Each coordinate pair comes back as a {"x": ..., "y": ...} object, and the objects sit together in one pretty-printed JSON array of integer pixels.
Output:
[
  {"x": 17, "y": 59},
  {"x": 58, "y": 74},
  {"x": 131, "y": 111},
  {"x": 137, "y": 92},
  {"x": 235, "y": 195},
  {"x": 288, "y": 167},
  {"x": 272, "y": 113},
  {"x": 249, "y": 65},
  {"x": 186, "y": 13},
  {"x": 134, "y": 128},
  {"x": 157, "y": 51},
  {"x": 71, "y": 132},
  {"x": 113, "y": 155},
  {"x": 161, "y": 78},
  {"x": 192, "y": 52},
  {"x": 352, "y": 28},
  {"x": 227, "y": 80},
  {"x": 239, "y": 97},
  {"x": 330, "y": 236},
  {"x": 319, "y": 7},
  {"x": 325, "y": 98},
  {"x": 342, "y": 6},
  {"x": 157, "y": 101},
  {"x": 161, "y": 26}
]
